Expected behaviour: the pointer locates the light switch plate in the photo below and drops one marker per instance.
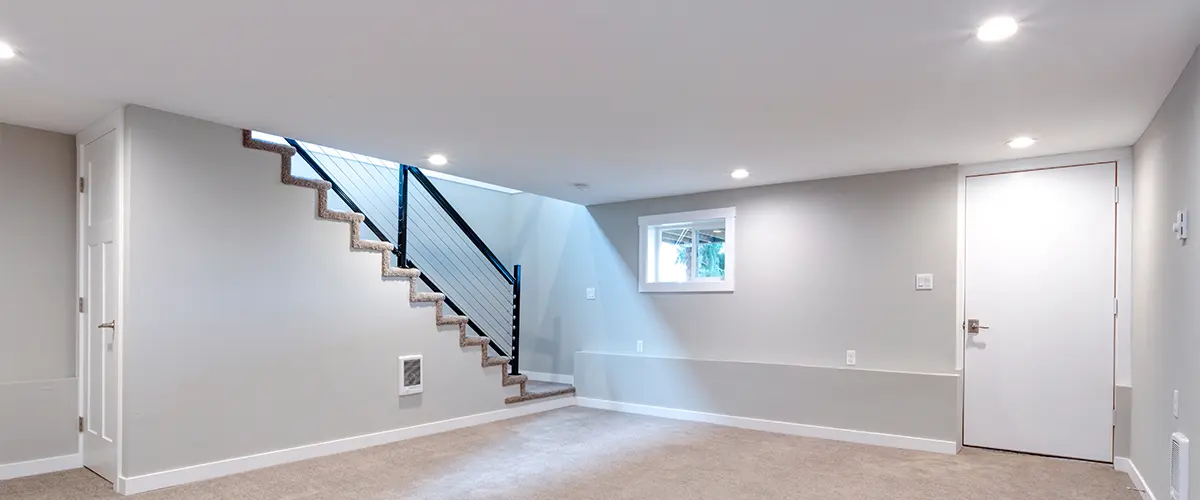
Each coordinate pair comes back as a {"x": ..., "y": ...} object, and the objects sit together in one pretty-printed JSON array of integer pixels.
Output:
[
  {"x": 851, "y": 358},
  {"x": 639, "y": 346},
  {"x": 924, "y": 282},
  {"x": 591, "y": 293}
]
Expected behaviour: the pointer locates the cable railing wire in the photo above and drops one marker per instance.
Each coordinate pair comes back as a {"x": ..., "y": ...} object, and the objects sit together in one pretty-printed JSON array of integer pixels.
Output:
[{"x": 447, "y": 251}]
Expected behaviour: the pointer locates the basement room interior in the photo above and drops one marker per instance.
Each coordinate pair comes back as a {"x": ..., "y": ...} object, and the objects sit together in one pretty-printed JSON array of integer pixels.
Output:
[{"x": 573, "y": 250}]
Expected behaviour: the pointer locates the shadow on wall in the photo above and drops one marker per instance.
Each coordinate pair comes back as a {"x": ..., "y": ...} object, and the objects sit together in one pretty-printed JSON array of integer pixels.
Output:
[{"x": 564, "y": 252}]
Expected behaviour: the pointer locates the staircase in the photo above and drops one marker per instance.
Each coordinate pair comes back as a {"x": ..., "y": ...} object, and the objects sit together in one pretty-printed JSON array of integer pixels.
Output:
[{"x": 470, "y": 279}]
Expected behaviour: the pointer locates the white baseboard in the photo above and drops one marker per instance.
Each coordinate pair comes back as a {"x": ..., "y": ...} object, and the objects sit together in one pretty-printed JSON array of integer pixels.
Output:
[
  {"x": 550, "y": 377},
  {"x": 40, "y": 466},
  {"x": 852, "y": 436},
  {"x": 158, "y": 480},
  {"x": 1125, "y": 465}
]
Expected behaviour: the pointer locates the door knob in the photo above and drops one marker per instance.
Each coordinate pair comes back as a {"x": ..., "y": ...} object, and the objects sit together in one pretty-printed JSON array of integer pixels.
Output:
[
  {"x": 973, "y": 326},
  {"x": 112, "y": 325}
]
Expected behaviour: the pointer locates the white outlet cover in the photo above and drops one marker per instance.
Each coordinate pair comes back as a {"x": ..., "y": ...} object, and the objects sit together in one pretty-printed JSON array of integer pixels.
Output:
[
  {"x": 639, "y": 346},
  {"x": 591, "y": 294},
  {"x": 851, "y": 358}
]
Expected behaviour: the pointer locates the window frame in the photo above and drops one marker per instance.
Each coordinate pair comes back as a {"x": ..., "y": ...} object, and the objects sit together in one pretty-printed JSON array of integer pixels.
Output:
[{"x": 648, "y": 229}]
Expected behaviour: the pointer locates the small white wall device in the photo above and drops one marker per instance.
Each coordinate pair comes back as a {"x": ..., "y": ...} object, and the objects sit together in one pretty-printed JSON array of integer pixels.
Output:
[
  {"x": 411, "y": 375},
  {"x": 1179, "y": 467},
  {"x": 1180, "y": 227}
]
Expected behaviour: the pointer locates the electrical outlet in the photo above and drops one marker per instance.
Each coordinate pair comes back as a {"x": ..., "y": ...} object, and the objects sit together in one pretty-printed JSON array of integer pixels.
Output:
[
  {"x": 639, "y": 346},
  {"x": 1175, "y": 404},
  {"x": 591, "y": 294},
  {"x": 851, "y": 358}
]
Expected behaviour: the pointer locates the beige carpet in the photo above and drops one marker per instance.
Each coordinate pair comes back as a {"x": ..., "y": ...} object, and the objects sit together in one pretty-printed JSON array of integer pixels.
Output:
[{"x": 576, "y": 454}]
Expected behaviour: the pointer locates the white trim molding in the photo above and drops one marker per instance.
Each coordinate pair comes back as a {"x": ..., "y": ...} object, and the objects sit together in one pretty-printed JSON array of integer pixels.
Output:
[
  {"x": 184, "y": 475},
  {"x": 814, "y": 431},
  {"x": 647, "y": 230},
  {"x": 550, "y": 377},
  {"x": 40, "y": 466},
  {"x": 1122, "y": 464}
]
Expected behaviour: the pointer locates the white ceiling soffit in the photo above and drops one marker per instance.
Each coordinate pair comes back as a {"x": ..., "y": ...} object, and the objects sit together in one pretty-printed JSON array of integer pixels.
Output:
[{"x": 635, "y": 98}]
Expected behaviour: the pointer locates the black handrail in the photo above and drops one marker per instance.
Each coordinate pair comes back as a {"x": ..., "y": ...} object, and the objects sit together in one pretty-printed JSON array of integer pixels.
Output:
[
  {"x": 382, "y": 237},
  {"x": 462, "y": 224}
]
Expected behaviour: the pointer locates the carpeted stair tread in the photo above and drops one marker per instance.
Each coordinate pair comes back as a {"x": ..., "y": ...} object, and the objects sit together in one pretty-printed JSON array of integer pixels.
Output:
[
  {"x": 496, "y": 361},
  {"x": 427, "y": 297},
  {"x": 451, "y": 319},
  {"x": 515, "y": 380},
  {"x": 469, "y": 341},
  {"x": 530, "y": 395}
]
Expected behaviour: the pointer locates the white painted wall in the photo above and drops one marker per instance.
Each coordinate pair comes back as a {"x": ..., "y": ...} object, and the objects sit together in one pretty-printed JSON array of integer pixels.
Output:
[
  {"x": 38, "y": 389},
  {"x": 1166, "y": 292},
  {"x": 823, "y": 266},
  {"x": 37, "y": 268},
  {"x": 250, "y": 325}
]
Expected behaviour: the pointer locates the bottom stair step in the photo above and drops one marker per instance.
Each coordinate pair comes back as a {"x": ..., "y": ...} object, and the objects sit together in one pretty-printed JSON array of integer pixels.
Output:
[{"x": 537, "y": 390}]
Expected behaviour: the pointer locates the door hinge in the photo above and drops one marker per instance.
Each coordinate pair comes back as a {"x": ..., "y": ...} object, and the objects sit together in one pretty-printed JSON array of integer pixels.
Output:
[
  {"x": 82, "y": 184},
  {"x": 1116, "y": 305},
  {"x": 81, "y": 304},
  {"x": 80, "y": 424},
  {"x": 1117, "y": 194}
]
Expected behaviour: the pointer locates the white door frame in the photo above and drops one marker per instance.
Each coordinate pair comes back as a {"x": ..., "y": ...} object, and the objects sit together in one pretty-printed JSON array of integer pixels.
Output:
[
  {"x": 113, "y": 122},
  {"x": 1123, "y": 158}
]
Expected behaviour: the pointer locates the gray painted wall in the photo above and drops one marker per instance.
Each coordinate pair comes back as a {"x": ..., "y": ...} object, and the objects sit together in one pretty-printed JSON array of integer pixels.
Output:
[
  {"x": 37, "y": 288},
  {"x": 905, "y": 404},
  {"x": 250, "y": 326},
  {"x": 1166, "y": 283},
  {"x": 823, "y": 266},
  {"x": 38, "y": 420}
]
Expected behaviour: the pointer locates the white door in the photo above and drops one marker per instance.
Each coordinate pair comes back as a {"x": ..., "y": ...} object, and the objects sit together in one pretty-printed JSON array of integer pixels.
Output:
[
  {"x": 1040, "y": 279},
  {"x": 100, "y": 272}
]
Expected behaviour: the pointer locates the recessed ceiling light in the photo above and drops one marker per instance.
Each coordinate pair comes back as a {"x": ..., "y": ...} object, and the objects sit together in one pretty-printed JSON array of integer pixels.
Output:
[
  {"x": 740, "y": 173},
  {"x": 996, "y": 29},
  {"x": 438, "y": 160},
  {"x": 6, "y": 51},
  {"x": 1021, "y": 142}
]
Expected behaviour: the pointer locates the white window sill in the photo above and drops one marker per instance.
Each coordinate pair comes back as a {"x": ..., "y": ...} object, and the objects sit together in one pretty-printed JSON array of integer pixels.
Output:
[{"x": 690, "y": 286}]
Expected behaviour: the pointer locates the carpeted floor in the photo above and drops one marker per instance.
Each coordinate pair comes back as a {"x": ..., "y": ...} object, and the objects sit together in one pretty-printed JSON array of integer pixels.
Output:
[{"x": 577, "y": 454}]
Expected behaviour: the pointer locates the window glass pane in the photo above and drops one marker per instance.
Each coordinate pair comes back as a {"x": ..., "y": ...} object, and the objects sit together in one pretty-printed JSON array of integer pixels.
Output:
[
  {"x": 674, "y": 249},
  {"x": 711, "y": 253}
]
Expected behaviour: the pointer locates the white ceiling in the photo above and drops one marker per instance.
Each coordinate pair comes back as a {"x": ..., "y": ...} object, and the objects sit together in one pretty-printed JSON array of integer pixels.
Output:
[{"x": 636, "y": 98}]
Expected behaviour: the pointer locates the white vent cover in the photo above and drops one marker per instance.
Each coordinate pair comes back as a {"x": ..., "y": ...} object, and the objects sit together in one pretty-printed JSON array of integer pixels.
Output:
[
  {"x": 411, "y": 374},
  {"x": 1179, "y": 467}
]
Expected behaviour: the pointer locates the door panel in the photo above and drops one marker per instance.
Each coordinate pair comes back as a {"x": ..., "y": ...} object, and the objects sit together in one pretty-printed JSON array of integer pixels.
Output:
[
  {"x": 1040, "y": 276},
  {"x": 101, "y": 271}
]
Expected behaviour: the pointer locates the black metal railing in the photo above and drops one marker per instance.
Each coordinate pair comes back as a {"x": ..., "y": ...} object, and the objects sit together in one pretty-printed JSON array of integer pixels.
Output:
[{"x": 430, "y": 235}]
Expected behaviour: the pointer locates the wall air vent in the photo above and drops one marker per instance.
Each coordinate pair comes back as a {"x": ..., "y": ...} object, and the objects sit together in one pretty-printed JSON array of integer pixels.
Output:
[
  {"x": 411, "y": 375},
  {"x": 1179, "y": 467}
]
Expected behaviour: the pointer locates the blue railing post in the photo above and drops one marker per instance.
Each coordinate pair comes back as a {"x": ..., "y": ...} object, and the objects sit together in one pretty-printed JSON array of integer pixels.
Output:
[{"x": 516, "y": 322}]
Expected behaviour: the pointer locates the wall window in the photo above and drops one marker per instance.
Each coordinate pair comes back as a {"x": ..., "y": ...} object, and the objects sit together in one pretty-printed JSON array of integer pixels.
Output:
[{"x": 687, "y": 251}]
